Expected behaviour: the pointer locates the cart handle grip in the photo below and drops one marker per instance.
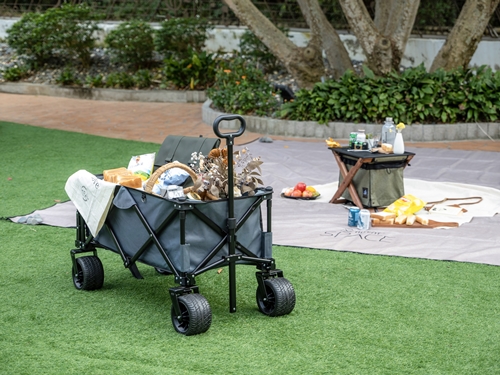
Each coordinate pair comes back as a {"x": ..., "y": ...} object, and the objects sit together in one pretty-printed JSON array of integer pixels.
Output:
[{"x": 229, "y": 136}]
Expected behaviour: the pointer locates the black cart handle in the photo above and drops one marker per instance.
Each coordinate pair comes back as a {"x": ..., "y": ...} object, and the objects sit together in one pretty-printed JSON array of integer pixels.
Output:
[{"x": 229, "y": 136}]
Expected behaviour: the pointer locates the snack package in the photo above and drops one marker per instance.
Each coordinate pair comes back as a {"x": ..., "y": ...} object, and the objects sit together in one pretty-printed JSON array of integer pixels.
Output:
[
  {"x": 142, "y": 165},
  {"x": 406, "y": 205}
]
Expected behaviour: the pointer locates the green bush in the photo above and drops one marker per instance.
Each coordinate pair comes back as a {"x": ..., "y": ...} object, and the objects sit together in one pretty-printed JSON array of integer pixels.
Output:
[
  {"x": 196, "y": 72},
  {"x": 241, "y": 88},
  {"x": 119, "y": 80},
  {"x": 131, "y": 43},
  {"x": 16, "y": 73},
  {"x": 68, "y": 77},
  {"x": 66, "y": 32},
  {"x": 177, "y": 37},
  {"x": 252, "y": 48},
  {"x": 462, "y": 95}
]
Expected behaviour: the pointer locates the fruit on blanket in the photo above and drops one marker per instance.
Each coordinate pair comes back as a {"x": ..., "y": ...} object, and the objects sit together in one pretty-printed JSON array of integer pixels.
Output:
[
  {"x": 296, "y": 194},
  {"x": 300, "y": 186},
  {"x": 307, "y": 194},
  {"x": 288, "y": 192}
]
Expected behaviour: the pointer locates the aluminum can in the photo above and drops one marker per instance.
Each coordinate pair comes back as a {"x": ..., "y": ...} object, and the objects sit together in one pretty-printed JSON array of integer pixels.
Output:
[
  {"x": 365, "y": 146},
  {"x": 364, "y": 220},
  {"x": 353, "y": 216},
  {"x": 352, "y": 140}
]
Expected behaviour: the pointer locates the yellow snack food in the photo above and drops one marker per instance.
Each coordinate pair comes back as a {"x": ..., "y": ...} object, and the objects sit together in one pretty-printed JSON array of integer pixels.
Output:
[
  {"x": 406, "y": 205},
  {"x": 330, "y": 142}
]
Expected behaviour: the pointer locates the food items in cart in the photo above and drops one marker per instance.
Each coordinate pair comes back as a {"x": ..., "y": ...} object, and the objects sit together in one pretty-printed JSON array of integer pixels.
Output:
[
  {"x": 111, "y": 175},
  {"x": 132, "y": 181},
  {"x": 142, "y": 165}
]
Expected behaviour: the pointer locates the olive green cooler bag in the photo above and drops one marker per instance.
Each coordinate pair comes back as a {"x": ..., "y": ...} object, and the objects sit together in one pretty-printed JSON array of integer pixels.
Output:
[{"x": 378, "y": 183}]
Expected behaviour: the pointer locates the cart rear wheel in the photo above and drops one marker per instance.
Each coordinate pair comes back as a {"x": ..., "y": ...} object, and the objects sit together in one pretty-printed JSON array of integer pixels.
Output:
[
  {"x": 195, "y": 317},
  {"x": 278, "y": 298},
  {"x": 89, "y": 273}
]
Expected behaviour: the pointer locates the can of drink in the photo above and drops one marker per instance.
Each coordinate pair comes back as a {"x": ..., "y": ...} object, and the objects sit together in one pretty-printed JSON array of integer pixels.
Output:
[
  {"x": 364, "y": 220},
  {"x": 353, "y": 216},
  {"x": 352, "y": 140},
  {"x": 365, "y": 146}
]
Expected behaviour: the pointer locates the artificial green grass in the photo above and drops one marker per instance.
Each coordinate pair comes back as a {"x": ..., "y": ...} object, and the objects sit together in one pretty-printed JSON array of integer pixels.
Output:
[{"x": 355, "y": 314}]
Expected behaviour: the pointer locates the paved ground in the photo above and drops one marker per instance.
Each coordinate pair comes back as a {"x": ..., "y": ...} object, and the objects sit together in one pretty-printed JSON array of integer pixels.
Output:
[{"x": 150, "y": 122}]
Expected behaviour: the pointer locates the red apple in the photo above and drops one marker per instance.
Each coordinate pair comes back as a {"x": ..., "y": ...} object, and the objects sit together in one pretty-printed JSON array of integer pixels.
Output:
[{"x": 300, "y": 186}]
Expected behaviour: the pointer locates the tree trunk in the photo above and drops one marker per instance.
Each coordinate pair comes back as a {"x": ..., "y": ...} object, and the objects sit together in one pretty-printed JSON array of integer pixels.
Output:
[
  {"x": 303, "y": 63},
  {"x": 465, "y": 36},
  {"x": 384, "y": 39},
  {"x": 337, "y": 58}
]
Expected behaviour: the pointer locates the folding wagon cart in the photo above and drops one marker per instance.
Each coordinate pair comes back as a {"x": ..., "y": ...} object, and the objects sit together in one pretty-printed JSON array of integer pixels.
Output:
[{"x": 185, "y": 238}]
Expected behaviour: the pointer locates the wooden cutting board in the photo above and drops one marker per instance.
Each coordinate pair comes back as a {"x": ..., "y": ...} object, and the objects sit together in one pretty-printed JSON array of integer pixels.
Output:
[{"x": 432, "y": 224}]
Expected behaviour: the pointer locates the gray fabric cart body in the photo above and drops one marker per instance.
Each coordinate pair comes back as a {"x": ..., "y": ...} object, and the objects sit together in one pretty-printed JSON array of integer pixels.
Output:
[{"x": 185, "y": 238}]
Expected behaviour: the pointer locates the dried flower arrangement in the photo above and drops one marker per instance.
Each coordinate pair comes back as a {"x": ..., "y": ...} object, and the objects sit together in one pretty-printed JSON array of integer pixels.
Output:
[{"x": 212, "y": 172}]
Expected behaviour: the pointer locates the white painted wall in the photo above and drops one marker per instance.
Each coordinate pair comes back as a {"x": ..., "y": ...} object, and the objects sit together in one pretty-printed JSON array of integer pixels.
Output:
[{"x": 418, "y": 50}]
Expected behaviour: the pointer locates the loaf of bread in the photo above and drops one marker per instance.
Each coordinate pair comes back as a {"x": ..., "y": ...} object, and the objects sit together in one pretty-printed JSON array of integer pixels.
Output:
[
  {"x": 422, "y": 220},
  {"x": 383, "y": 216},
  {"x": 111, "y": 175},
  {"x": 410, "y": 219},
  {"x": 401, "y": 219},
  {"x": 387, "y": 147},
  {"x": 132, "y": 181}
]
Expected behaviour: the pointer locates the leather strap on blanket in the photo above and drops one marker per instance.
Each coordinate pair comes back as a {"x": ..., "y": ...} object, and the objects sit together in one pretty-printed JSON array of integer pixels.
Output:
[{"x": 477, "y": 200}]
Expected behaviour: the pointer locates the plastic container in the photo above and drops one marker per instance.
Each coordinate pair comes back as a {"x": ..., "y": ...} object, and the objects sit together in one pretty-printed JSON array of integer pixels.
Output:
[
  {"x": 361, "y": 136},
  {"x": 388, "y": 131}
]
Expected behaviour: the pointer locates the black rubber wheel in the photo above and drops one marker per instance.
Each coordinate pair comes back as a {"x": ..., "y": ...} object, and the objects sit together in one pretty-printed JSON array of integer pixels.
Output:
[
  {"x": 278, "y": 299},
  {"x": 89, "y": 273},
  {"x": 196, "y": 315}
]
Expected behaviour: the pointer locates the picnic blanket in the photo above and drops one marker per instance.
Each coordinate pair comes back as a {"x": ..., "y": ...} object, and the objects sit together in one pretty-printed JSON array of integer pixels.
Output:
[{"x": 433, "y": 174}]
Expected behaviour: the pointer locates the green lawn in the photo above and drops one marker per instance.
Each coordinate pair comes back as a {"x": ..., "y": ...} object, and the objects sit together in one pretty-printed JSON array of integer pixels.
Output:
[{"x": 355, "y": 314}]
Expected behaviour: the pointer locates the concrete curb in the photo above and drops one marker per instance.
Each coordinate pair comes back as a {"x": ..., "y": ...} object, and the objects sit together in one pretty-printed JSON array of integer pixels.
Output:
[
  {"x": 341, "y": 130},
  {"x": 159, "y": 96}
]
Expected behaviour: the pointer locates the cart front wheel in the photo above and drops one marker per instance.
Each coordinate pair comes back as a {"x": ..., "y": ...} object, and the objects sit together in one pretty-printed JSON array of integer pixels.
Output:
[
  {"x": 195, "y": 317},
  {"x": 278, "y": 298},
  {"x": 88, "y": 274}
]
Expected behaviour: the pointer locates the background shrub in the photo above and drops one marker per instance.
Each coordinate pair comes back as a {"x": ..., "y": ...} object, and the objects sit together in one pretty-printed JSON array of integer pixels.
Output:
[
  {"x": 241, "y": 88},
  {"x": 196, "y": 72},
  {"x": 66, "y": 32},
  {"x": 462, "y": 95},
  {"x": 132, "y": 44},
  {"x": 178, "y": 37}
]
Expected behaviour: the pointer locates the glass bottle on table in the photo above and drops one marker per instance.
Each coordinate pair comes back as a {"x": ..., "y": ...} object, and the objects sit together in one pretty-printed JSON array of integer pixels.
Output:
[{"x": 388, "y": 131}]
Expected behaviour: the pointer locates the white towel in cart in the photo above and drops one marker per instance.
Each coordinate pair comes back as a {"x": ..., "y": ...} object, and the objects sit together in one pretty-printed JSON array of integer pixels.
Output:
[{"x": 91, "y": 196}]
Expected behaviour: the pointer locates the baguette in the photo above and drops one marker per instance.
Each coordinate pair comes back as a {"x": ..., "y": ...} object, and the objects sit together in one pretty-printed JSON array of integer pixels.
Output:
[
  {"x": 383, "y": 216},
  {"x": 410, "y": 219},
  {"x": 422, "y": 220},
  {"x": 401, "y": 219}
]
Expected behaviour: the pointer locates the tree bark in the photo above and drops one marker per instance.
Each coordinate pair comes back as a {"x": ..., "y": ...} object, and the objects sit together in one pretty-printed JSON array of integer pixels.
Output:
[
  {"x": 335, "y": 53},
  {"x": 465, "y": 36},
  {"x": 383, "y": 39},
  {"x": 303, "y": 63}
]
